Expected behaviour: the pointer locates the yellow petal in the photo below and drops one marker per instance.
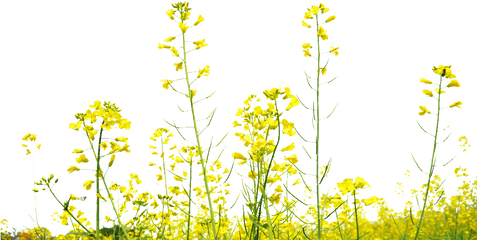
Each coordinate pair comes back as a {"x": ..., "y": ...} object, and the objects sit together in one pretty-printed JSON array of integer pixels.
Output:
[
  {"x": 183, "y": 27},
  {"x": 169, "y": 39},
  {"x": 331, "y": 18},
  {"x": 199, "y": 20},
  {"x": 308, "y": 15},
  {"x": 423, "y": 80},
  {"x": 305, "y": 24},
  {"x": 453, "y": 83}
]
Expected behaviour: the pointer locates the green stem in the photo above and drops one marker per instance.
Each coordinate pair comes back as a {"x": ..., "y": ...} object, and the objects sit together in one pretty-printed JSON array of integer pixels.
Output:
[
  {"x": 191, "y": 102},
  {"x": 98, "y": 174},
  {"x": 432, "y": 160},
  {"x": 98, "y": 206},
  {"x": 318, "y": 135},
  {"x": 356, "y": 215}
]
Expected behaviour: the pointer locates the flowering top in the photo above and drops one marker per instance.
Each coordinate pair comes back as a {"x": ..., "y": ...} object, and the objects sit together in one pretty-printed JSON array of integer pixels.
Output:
[
  {"x": 443, "y": 71},
  {"x": 184, "y": 10},
  {"x": 320, "y": 31}
]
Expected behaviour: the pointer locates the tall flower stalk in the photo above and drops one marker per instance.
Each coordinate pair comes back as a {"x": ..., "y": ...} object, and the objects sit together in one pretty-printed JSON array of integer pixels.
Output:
[
  {"x": 35, "y": 145},
  {"x": 260, "y": 124},
  {"x": 268, "y": 120},
  {"x": 46, "y": 184},
  {"x": 108, "y": 113},
  {"x": 314, "y": 12},
  {"x": 180, "y": 15},
  {"x": 442, "y": 71}
]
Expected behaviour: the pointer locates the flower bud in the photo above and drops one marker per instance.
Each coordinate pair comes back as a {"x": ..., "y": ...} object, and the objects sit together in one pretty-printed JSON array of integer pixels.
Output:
[
  {"x": 305, "y": 24},
  {"x": 330, "y": 18},
  {"x": 200, "y": 19}
]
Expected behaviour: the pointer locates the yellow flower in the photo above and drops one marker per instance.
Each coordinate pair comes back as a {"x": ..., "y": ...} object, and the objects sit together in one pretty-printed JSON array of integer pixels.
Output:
[
  {"x": 76, "y": 126},
  {"x": 293, "y": 103},
  {"x": 334, "y": 50},
  {"x": 308, "y": 15},
  {"x": 81, "y": 159},
  {"x": 178, "y": 178},
  {"x": 159, "y": 177},
  {"x": 323, "y": 71},
  {"x": 279, "y": 188},
  {"x": 444, "y": 71},
  {"x": 323, "y": 9},
  {"x": 275, "y": 198},
  {"x": 204, "y": 71},
  {"x": 136, "y": 177},
  {"x": 170, "y": 13},
  {"x": 200, "y": 44},
  {"x": 296, "y": 182},
  {"x": 279, "y": 167},
  {"x": 315, "y": 9},
  {"x": 348, "y": 185},
  {"x": 72, "y": 169},
  {"x": 360, "y": 182},
  {"x": 199, "y": 20},
  {"x": 185, "y": 16},
  {"x": 439, "y": 91},
  {"x": 88, "y": 184},
  {"x": 288, "y": 127},
  {"x": 178, "y": 66},
  {"x": 174, "y": 51},
  {"x": 305, "y": 24},
  {"x": 307, "y": 53},
  {"x": 77, "y": 151},
  {"x": 166, "y": 85},
  {"x": 428, "y": 92},
  {"x": 306, "y": 45},
  {"x": 99, "y": 196},
  {"x": 169, "y": 39},
  {"x": 370, "y": 200},
  {"x": 274, "y": 179},
  {"x": 322, "y": 33},
  {"x": 424, "y": 80},
  {"x": 236, "y": 124},
  {"x": 35, "y": 190},
  {"x": 293, "y": 159},
  {"x": 252, "y": 175},
  {"x": 330, "y": 18},
  {"x": 453, "y": 83},
  {"x": 183, "y": 27},
  {"x": 112, "y": 160},
  {"x": 32, "y": 137},
  {"x": 161, "y": 46},
  {"x": 424, "y": 110},
  {"x": 193, "y": 93},
  {"x": 175, "y": 190},
  {"x": 237, "y": 155},
  {"x": 456, "y": 104},
  {"x": 289, "y": 147}
]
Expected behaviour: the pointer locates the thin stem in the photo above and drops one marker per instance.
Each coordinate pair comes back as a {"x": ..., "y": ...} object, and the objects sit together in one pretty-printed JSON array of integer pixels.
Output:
[
  {"x": 99, "y": 174},
  {"x": 35, "y": 199},
  {"x": 191, "y": 102},
  {"x": 356, "y": 215},
  {"x": 431, "y": 170},
  {"x": 318, "y": 135},
  {"x": 98, "y": 170}
]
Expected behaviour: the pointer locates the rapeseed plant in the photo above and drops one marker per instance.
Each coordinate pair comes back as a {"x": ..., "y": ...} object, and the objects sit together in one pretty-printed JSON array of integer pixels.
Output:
[{"x": 271, "y": 211}]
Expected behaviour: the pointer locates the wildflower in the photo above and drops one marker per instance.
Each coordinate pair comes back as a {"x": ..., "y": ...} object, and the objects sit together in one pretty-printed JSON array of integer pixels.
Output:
[
  {"x": 174, "y": 51},
  {"x": 453, "y": 83},
  {"x": 456, "y": 104},
  {"x": 87, "y": 184},
  {"x": 427, "y": 92},
  {"x": 72, "y": 169},
  {"x": 331, "y": 18},
  {"x": 334, "y": 50},
  {"x": 289, "y": 147},
  {"x": 305, "y": 24},
  {"x": 183, "y": 27},
  {"x": 292, "y": 159},
  {"x": 199, "y": 20},
  {"x": 423, "y": 80},
  {"x": 200, "y": 44},
  {"x": 81, "y": 159},
  {"x": 322, "y": 33},
  {"x": 237, "y": 155},
  {"x": 161, "y": 46},
  {"x": 307, "y": 53},
  {"x": 169, "y": 39},
  {"x": 178, "y": 66},
  {"x": 170, "y": 13},
  {"x": 424, "y": 110}
]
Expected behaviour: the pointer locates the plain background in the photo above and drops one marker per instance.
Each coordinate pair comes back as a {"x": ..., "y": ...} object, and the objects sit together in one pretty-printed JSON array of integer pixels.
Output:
[{"x": 58, "y": 57}]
